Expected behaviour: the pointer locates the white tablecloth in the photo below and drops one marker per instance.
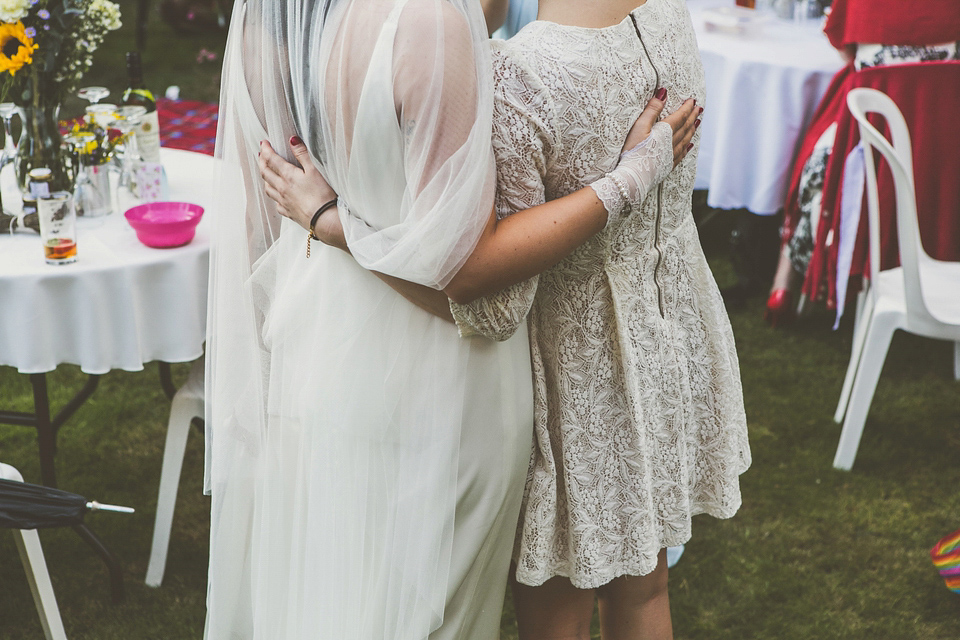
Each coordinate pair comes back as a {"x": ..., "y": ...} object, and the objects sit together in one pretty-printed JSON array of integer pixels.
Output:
[
  {"x": 121, "y": 304},
  {"x": 762, "y": 91}
]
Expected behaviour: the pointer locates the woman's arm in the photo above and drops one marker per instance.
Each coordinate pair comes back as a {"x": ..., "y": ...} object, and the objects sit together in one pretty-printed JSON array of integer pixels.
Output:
[
  {"x": 509, "y": 250},
  {"x": 295, "y": 189}
]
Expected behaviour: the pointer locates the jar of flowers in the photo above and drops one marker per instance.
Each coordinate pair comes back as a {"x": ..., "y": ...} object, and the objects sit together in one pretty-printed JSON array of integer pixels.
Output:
[{"x": 45, "y": 48}]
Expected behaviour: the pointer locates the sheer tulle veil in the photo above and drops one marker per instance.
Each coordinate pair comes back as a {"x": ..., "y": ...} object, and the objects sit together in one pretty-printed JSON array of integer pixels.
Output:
[{"x": 332, "y": 403}]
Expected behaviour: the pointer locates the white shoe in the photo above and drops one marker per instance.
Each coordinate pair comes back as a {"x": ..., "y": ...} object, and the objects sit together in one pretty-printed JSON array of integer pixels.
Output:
[{"x": 673, "y": 555}]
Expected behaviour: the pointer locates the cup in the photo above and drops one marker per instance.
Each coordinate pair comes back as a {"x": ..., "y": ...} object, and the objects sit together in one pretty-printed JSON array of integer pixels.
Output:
[
  {"x": 58, "y": 227},
  {"x": 92, "y": 197}
]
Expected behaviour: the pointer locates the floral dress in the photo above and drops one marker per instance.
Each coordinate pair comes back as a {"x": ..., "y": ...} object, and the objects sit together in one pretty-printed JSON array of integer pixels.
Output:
[{"x": 639, "y": 419}]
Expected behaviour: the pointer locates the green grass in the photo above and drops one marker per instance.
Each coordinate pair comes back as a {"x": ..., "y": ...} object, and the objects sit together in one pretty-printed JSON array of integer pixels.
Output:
[{"x": 813, "y": 553}]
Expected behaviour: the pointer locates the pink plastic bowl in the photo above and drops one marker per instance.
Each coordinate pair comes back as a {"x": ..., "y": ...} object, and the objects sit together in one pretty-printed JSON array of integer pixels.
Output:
[{"x": 164, "y": 224}]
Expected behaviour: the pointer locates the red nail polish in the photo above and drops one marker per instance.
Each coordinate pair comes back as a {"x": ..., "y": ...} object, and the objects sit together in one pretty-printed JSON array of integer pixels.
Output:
[
  {"x": 689, "y": 146},
  {"x": 295, "y": 141},
  {"x": 661, "y": 94},
  {"x": 696, "y": 124}
]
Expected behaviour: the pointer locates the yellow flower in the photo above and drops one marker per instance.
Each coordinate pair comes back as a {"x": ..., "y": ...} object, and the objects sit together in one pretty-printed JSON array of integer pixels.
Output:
[{"x": 16, "y": 48}]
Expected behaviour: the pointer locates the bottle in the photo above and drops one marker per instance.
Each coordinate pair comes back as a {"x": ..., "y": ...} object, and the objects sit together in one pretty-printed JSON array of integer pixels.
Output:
[
  {"x": 148, "y": 132},
  {"x": 39, "y": 181}
]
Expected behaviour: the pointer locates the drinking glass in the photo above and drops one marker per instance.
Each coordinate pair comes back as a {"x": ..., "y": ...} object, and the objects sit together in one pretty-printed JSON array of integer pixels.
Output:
[
  {"x": 801, "y": 11},
  {"x": 58, "y": 228},
  {"x": 91, "y": 190},
  {"x": 93, "y": 94},
  {"x": 128, "y": 117},
  {"x": 9, "y": 155},
  {"x": 102, "y": 115}
]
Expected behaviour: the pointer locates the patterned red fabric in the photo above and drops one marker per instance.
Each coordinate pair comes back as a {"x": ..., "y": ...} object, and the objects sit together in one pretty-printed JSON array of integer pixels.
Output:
[
  {"x": 907, "y": 22},
  {"x": 928, "y": 95},
  {"x": 188, "y": 124}
]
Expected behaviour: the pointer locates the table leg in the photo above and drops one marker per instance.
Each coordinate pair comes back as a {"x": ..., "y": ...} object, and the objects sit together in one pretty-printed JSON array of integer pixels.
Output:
[
  {"x": 47, "y": 429},
  {"x": 46, "y": 434},
  {"x": 166, "y": 379}
]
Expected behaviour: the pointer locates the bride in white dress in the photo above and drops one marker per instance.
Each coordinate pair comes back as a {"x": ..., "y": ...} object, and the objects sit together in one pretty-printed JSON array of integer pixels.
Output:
[{"x": 366, "y": 464}]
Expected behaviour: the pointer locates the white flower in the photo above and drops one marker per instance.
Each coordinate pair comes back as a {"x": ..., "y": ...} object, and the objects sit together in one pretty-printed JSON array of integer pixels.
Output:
[
  {"x": 13, "y": 10},
  {"x": 107, "y": 12}
]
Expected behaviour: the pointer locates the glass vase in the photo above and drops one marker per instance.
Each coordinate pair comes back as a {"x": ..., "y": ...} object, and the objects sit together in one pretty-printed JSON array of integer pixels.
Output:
[
  {"x": 92, "y": 191},
  {"x": 41, "y": 146}
]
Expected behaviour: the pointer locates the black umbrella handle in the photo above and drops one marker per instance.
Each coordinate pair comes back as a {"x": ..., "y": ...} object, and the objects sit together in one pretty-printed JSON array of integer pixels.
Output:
[{"x": 117, "y": 592}]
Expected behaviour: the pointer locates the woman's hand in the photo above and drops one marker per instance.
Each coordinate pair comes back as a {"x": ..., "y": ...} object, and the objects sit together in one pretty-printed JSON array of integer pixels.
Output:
[
  {"x": 684, "y": 122},
  {"x": 298, "y": 190}
]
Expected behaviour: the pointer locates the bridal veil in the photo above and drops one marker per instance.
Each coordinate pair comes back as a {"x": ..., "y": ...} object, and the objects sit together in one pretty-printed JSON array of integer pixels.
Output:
[{"x": 333, "y": 405}]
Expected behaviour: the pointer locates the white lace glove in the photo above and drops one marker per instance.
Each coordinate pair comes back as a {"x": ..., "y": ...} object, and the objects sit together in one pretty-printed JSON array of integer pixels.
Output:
[{"x": 624, "y": 189}]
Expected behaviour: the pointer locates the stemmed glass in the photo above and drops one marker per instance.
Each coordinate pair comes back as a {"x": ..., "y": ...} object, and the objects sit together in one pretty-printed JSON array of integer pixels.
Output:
[
  {"x": 102, "y": 115},
  {"x": 128, "y": 117},
  {"x": 7, "y": 111},
  {"x": 90, "y": 199},
  {"x": 93, "y": 94}
]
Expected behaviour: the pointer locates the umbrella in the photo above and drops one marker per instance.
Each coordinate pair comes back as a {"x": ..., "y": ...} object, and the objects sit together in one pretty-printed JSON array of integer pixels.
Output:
[{"x": 32, "y": 506}]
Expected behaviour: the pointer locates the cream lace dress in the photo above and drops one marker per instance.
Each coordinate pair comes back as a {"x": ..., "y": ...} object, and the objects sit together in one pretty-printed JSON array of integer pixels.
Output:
[{"x": 639, "y": 420}]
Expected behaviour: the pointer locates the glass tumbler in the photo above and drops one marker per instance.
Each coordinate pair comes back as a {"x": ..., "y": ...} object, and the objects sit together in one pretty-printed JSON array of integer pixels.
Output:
[{"x": 58, "y": 227}]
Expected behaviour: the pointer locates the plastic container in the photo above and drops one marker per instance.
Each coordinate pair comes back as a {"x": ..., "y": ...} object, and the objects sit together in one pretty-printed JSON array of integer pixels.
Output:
[{"x": 164, "y": 225}]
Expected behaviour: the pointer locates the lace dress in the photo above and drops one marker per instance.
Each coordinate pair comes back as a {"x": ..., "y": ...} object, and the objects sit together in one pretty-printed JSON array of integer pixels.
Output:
[{"x": 639, "y": 420}]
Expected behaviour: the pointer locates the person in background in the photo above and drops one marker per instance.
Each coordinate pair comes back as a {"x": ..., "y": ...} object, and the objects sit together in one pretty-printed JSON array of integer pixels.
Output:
[
  {"x": 506, "y": 17},
  {"x": 869, "y": 34}
]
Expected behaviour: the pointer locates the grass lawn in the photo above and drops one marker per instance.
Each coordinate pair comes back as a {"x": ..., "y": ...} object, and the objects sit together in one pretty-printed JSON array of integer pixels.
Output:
[{"x": 813, "y": 552}]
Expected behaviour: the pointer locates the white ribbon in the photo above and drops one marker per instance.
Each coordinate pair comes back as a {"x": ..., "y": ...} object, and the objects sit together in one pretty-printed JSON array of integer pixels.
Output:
[{"x": 854, "y": 179}]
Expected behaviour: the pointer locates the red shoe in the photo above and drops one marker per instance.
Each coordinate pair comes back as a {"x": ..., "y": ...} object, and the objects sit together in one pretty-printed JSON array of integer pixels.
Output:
[{"x": 779, "y": 308}]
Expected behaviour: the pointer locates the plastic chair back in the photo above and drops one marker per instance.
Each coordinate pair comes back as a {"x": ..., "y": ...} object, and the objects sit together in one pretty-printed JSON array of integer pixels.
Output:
[{"x": 899, "y": 157}]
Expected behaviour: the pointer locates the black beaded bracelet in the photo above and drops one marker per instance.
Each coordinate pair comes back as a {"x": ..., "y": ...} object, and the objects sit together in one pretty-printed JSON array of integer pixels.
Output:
[{"x": 311, "y": 234}]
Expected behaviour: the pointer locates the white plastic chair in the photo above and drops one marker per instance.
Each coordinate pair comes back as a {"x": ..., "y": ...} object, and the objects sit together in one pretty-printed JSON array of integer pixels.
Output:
[
  {"x": 187, "y": 404},
  {"x": 31, "y": 554},
  {"x": 921, "y": 296}
]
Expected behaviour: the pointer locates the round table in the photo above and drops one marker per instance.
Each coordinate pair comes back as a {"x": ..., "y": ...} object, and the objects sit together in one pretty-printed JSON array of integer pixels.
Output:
[
  {"x": 762, "y": 90},
  {"x": 121, "y": 304}
]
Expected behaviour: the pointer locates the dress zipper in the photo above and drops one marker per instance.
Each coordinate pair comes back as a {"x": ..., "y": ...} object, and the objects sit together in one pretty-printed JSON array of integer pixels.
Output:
[{"x": 656, "y": 228}]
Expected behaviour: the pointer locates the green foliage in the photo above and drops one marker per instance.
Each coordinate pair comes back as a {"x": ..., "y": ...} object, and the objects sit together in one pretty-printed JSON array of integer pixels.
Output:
[{"x": 66, "y": 34}]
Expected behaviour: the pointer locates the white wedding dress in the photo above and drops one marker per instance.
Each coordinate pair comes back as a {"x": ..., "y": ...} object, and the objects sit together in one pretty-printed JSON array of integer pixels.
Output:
[{"x": 366, "y": 463}]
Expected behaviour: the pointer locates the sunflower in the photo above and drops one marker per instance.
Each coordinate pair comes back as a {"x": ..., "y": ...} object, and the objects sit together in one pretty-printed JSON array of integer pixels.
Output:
[{"x": 16, "y": 47}]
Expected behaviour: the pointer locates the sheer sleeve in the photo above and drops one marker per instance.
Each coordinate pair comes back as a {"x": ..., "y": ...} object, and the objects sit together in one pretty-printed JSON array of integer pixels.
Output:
[
  {"x": 524, "y": 146},
  {"x": 405, "y": 130}
]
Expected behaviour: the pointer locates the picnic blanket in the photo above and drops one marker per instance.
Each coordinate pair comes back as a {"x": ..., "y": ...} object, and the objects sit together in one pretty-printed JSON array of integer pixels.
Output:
[{"x": 187, "y": 124}]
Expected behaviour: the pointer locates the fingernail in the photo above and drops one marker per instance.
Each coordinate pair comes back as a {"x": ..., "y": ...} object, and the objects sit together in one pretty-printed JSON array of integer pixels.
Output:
[
  {"x": 295, "y": 141},
  {"x": 696, "y": 124},
  {"x": 661, "y": 94},
  {"x": 701, "y": 109},
  {"x": 689, "y": 146}
]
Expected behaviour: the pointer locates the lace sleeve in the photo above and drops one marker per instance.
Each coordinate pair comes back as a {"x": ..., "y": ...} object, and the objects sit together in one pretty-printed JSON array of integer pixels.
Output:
[
  {"x": 624, "y": 189},
  {"x": 523, "y": 146}
]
